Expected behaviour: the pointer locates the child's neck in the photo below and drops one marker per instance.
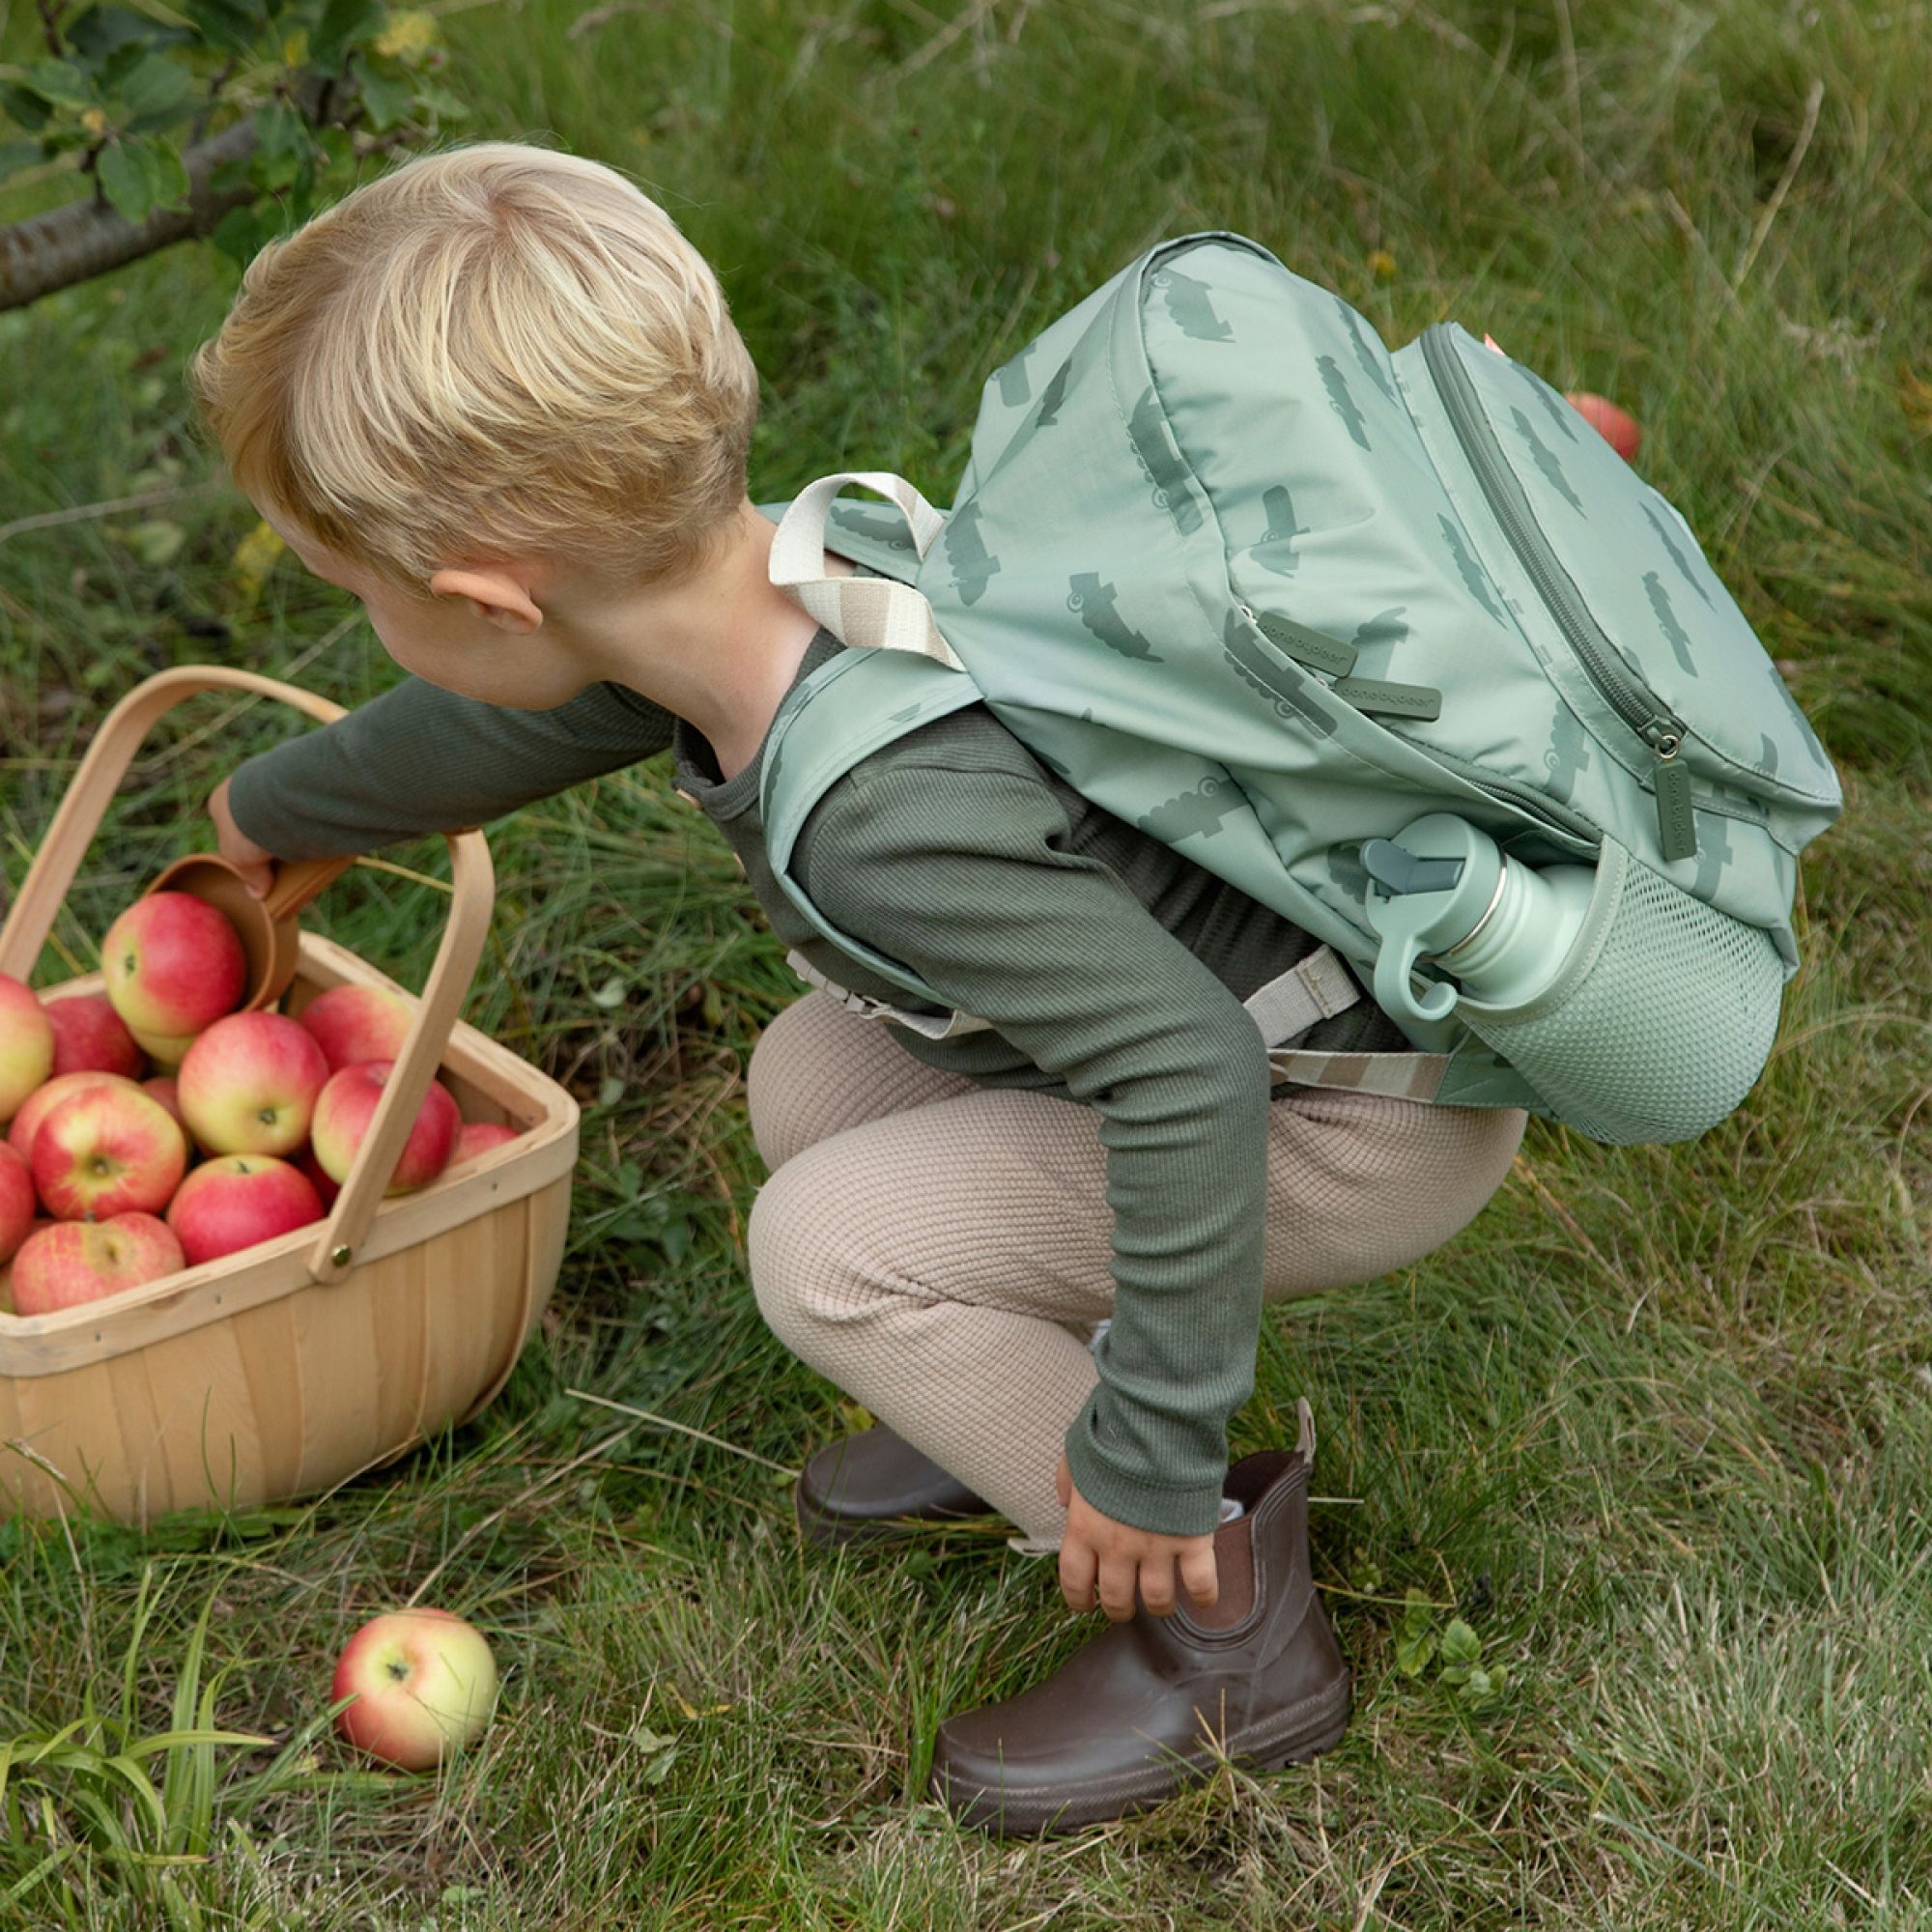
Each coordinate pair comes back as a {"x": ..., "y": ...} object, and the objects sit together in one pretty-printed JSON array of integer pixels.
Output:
[{"x": 720, "y": 650}]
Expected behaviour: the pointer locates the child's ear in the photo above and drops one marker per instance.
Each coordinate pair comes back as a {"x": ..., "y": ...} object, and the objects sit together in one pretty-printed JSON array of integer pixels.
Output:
[{"x": 492, "y": 595}]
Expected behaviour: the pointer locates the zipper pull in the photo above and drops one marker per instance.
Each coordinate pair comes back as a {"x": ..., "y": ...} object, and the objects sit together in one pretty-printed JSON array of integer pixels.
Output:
[{"x": 1676, "y": 821}]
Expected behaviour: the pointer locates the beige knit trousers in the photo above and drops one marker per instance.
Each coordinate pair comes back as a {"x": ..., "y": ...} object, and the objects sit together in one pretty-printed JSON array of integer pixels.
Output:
[{"x": 942, "y": 1250}]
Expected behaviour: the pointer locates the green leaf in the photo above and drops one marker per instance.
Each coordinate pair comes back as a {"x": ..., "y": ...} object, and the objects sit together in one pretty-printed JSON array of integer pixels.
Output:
[
  {"x": 154, "y": 10},
  {"x": 344, "y": 24},
  {"x": 1412, "y": 1651},
  {"x": 124, "y": 180},
  {"x": 279, "y": 129},
  {"x": 388, "y": 102},
  {"x": 62, "y": 83},
  {"x": 18, "y": 155},
  {"x": 1460, "y": 1643},
  {"x": 167, "y": 172},
  {"x": 24, "y": 107},
  {"x": 228, "y": 23},
  {"x": 239, "y": 235},
  {"x": 440, "y": 102},
  {"x": 156, "y": 84}
]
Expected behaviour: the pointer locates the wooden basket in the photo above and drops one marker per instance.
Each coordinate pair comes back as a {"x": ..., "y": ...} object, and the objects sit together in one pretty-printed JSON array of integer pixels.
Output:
[{"x": 284, "y": 1369}]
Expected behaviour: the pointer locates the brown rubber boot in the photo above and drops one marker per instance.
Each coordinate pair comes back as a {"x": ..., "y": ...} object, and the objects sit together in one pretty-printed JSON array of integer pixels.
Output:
[
  {"x": 1150, "y": 1704},
  {"x": 876, "y": 1486}
]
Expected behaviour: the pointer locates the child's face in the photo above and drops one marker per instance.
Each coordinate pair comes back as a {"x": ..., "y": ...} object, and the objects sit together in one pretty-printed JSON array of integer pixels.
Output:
[{"x": 461, "y": 638}]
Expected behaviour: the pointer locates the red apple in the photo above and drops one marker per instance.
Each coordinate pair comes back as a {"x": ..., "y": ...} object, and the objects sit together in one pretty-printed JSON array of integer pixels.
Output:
[
  {"x": 80, "y": 1261},
  {"x": 91, "y": 1037},
  {"x": 249, "y": 1085},
  {"x": 478, "y": 1137},
  {"x": 18, "y": 1203},
  {"x": 237, "y": 1199},
  {"x": 424, "y": 1684},
  {"x": 110, "y": 1150},
  {"x": 44, "y": 1099},
  {"x": 342, "y": 1117},
  {"x": 26, "y": 1045},
  {"x": 358, "y": 1023},
  {"x": 326, "y": 1189},
  {"x": 168, "y": 1091},
  {"x": 172, "y": 965},
  {"x": 1618, "y": 429}
]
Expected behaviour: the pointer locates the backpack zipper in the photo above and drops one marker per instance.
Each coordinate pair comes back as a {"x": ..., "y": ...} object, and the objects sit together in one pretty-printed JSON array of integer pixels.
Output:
[{"x": 1635, "y": 702}]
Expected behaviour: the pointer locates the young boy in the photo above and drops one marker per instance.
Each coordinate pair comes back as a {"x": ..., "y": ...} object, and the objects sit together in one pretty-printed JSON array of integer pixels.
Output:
[{"x": 497, "y": 396}]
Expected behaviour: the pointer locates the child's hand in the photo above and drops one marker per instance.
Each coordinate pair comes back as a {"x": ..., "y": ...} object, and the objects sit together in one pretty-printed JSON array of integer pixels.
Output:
[
  {"x": 1123, "y": 1559},
  {"x": 256, "y": 866}
]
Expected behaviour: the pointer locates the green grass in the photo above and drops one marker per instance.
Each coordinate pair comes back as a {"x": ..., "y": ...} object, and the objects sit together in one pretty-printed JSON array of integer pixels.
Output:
[{"x": 1657, "y": 1426}]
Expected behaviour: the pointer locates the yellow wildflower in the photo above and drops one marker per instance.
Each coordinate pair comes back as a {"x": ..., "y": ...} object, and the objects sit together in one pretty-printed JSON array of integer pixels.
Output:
[{"x": 406, "y": 37}]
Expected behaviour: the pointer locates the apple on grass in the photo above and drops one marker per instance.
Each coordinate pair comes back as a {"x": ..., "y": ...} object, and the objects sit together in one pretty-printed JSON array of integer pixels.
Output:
[
  {"x": 110, "y": 1150},
  {"x": 26, "y": 1045},
  {"x": 18, "y": 1203},
  {"x": 1617, "y": 427},
  {"x": 44, "y": 1099},
  {"x": 351, "y": 1024},
  {"x": 72, "y": 1262},
  {"x": 172, "y": 965},
  {"x": 248, "y": 1084},
  {"x": 424, "y": 1684},
  {"x": 348, "y": 1104},
  {"x": 237, "y": 1199},
  {"x": 91, "y": 1037}
]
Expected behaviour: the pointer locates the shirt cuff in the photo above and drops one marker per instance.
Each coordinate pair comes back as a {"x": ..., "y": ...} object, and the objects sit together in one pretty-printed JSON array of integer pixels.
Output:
[{"x": 1185, "y": 1509}]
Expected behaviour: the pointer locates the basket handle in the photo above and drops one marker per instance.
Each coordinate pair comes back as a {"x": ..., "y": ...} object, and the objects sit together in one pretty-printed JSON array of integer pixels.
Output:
[{"x": 472, "y": 880}]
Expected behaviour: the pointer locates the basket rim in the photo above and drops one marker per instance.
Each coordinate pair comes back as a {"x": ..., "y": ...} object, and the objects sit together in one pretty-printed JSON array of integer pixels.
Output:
[{"x": 485, "y": 1181}]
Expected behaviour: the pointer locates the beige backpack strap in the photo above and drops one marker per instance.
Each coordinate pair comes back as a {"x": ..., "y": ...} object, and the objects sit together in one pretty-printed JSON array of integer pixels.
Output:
[
  {"x": 1311, "y": 990},
  {"x": 934, "y": 1026},
  {"x": 874, "y": 613},
  {"x": 1403, "y": 1076}
]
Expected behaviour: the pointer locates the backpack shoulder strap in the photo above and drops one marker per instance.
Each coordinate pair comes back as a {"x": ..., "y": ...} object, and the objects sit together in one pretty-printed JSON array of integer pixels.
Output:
[{"x": 848, "y": 708}]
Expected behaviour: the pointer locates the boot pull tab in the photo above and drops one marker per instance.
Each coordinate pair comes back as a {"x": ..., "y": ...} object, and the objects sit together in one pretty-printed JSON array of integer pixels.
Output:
[{"x": 1304, "y": 1442}]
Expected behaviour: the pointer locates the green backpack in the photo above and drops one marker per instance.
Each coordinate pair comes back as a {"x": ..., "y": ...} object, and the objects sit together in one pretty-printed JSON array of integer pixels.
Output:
[{"x": 1256, "y": 585}]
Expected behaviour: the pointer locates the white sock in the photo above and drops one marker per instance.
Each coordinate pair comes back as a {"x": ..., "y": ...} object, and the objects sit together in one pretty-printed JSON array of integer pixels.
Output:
[{"x": 1231, "y": 1508}]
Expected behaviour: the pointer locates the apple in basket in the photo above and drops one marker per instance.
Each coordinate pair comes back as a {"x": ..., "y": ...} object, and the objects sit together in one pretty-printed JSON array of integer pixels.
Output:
[
  {"x": 348, "y": 1103},
  {"x": 424, "y": 1684},
  {"x": 43, "y": 1100},
  {"x": 237, "y": 1199},
  {"x": 164, "y": 1088},
  {"x": 479, "y": 1137},
  {"x": 72, "y": 1262},
  {"x": 91, "y": 1037},
  {"x": 358, "y": 1023},
  {"x": 18, "y": 1203},
  {"x": 110, "y": 1150},
  {"x": 172, "y": 965},
  {"x": 248, "y": 1084},
  {"x": 26, "y": 1045}
]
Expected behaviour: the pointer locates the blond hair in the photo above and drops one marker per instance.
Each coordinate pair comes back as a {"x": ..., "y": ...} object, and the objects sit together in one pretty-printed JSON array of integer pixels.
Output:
[{"x": 491, "y": 352}]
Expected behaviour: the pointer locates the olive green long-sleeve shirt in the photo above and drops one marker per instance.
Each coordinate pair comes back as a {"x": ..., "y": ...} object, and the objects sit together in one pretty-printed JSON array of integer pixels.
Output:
[{"x": 1111, "y": 968}]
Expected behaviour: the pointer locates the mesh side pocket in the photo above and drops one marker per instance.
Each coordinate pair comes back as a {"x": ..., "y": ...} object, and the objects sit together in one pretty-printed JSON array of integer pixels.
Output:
[{"x": 1660, "y": 1020}]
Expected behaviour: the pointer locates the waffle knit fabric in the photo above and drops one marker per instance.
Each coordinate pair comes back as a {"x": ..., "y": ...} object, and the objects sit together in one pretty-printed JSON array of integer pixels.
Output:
[
  {"x": 1111, "y": 967},
  {"x": 940, "y": 1249}
]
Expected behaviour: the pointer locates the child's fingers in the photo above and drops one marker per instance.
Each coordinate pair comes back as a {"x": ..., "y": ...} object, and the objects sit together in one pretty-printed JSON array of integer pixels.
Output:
[
  {"x": 1120, "y": 1576},
  {"x": 1078, "y": 1568},
  {"x": 1199, "y": 1577}
]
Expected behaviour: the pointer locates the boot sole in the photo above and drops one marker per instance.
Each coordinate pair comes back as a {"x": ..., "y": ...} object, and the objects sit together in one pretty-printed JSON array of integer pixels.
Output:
[
  {"x": 831, "y": 1532},
  {"x": 1303, "y": 1731}
]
